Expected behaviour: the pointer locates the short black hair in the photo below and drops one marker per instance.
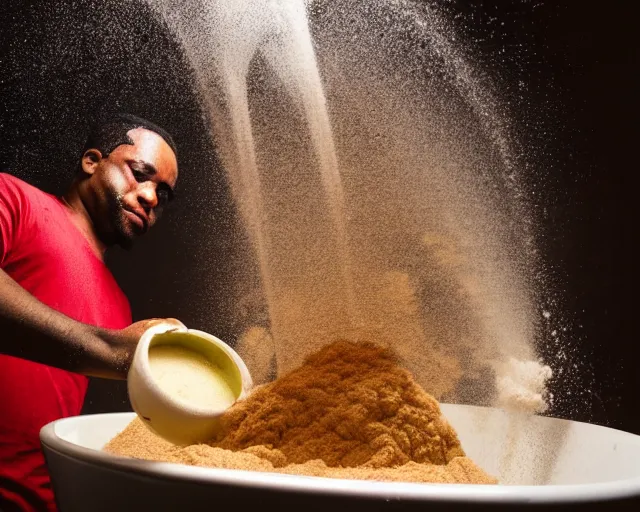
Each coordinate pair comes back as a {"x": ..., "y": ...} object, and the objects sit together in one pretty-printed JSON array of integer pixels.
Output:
[{"x": 111, "y": 131}]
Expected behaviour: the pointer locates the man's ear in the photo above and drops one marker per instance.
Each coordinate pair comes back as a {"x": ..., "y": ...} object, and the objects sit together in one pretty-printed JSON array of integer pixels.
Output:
[{"x": 89, "y": 162}]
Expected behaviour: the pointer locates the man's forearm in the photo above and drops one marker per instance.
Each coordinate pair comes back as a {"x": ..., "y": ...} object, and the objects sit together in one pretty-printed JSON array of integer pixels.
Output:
[{"x": 31, "y": 330}]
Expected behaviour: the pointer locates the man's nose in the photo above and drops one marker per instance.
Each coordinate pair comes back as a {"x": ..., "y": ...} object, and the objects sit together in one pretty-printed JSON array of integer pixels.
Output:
[{"x": 147, "y": 195}]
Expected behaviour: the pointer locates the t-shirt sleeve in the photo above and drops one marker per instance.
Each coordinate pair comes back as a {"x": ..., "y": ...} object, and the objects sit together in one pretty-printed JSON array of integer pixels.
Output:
[{"x": 11, "y": 206}]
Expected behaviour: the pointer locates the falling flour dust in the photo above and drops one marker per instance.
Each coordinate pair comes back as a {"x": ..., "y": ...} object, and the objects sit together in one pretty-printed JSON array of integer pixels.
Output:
[{"x": 373, "y": 171}]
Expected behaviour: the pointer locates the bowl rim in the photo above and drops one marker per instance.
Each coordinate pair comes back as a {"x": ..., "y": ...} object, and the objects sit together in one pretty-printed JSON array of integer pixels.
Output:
[{"x": 499, "y": 494}]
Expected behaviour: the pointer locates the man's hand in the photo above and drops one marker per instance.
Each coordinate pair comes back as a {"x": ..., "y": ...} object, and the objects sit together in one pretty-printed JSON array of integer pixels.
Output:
[{"x": 123, "y": 342}]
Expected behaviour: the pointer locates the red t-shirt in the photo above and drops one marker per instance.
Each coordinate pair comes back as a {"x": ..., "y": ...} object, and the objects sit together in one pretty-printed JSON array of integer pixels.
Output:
[{"x": 42, "y": 250}]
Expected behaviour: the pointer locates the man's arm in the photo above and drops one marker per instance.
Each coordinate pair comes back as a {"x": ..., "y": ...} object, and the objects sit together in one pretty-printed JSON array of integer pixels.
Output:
[{"x": 32, "y": 330}]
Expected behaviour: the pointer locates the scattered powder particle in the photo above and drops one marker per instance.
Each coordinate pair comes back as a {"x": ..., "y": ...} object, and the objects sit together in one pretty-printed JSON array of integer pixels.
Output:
[
  {"x": 522, "y": 386},
  {"x": 257, "y": 350},
  {"x": 350, "y": 411}
]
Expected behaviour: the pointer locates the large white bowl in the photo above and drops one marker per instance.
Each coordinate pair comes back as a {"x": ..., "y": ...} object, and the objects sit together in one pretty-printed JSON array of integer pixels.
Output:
[{"x": 541, "y": 462}]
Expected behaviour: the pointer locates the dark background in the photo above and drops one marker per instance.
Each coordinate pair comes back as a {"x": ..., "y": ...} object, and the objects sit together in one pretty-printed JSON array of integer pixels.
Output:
[{"x": 568, "y": 68}]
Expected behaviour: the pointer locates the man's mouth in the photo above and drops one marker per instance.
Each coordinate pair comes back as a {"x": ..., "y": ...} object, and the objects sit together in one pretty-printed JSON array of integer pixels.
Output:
[{"x": 137, "y": 219}]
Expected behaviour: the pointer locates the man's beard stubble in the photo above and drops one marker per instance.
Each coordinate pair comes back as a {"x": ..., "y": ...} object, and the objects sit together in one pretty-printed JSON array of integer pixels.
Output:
[{"x": 121, "y": 233}]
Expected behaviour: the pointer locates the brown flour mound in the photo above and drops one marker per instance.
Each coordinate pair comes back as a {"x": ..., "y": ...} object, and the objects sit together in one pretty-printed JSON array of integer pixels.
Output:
[{"x": 350, "y": 411}]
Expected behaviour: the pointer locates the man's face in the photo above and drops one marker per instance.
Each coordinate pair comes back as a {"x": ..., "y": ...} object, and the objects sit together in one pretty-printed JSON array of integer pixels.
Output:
[{"x": 130, "y": 188}]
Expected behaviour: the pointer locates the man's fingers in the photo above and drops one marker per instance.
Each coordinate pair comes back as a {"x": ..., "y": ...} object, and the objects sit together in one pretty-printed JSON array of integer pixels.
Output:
[
  {"x": 136, "y": 330},
  {"x": 173, "y": 324},
  {"x": 177, "y": 324}
]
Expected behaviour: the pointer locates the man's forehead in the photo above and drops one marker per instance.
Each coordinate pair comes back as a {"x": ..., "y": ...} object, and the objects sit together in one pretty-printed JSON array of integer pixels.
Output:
[
  {"x": 142, "y": 136},
  {"x": 151, "y": 148},
  {"x": 150, "y": 141}
]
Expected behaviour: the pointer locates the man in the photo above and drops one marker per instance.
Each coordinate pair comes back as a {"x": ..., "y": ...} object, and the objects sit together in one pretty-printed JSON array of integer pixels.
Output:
[{"x": 62, "y": 315}]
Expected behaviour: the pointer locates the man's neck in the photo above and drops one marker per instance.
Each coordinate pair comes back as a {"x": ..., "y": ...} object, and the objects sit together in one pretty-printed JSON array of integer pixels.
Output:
[{"x": 82, "y": 220}]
